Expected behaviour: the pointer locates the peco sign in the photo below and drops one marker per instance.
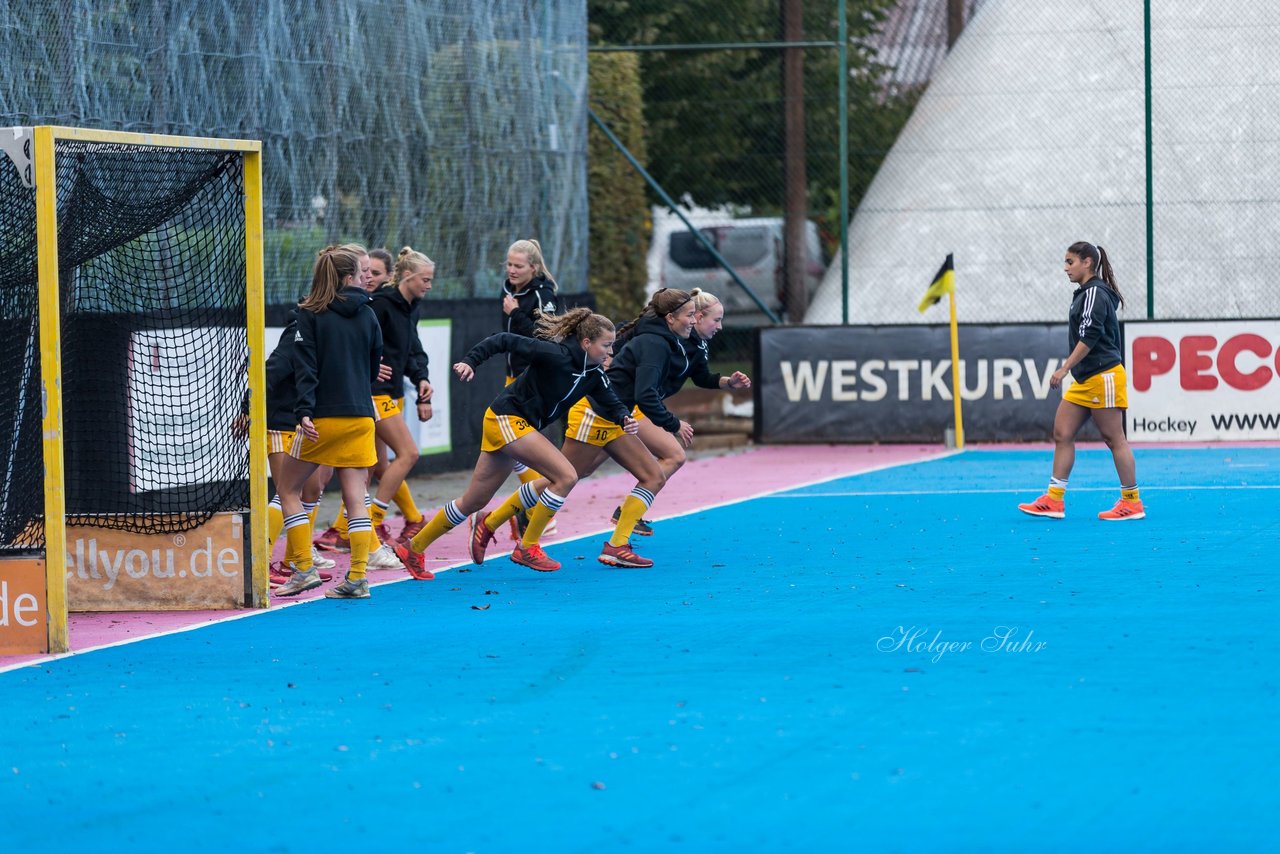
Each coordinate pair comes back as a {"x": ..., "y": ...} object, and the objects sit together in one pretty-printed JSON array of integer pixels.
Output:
[{"x": 1204, "y": 380}]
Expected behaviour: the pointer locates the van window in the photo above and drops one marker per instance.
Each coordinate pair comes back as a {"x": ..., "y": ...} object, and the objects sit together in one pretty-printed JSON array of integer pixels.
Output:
[
  {"x": 741, "y": 246},
  {"x": 744, "y": 246},
  {"x": 688, "y": 252}
]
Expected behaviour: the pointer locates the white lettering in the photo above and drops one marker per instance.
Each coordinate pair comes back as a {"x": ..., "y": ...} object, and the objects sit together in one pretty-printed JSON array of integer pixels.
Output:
[
  {"x": 870, "y": 375},
  {"x": 207, "y": 552},
  {"x": 23, "y": 603},
  {"x": 112, "y": 567},
  {"x": 977, "y": 393},
  {"x": 229, "y": 557},
  {"x": 904, "y": 367},
  {"x": 931, "y": 380},
  {"x": 803, "y": 381},
  {"x": 843, "y": 378},
  {"x": 1008, "y": 374},
  {"x": 136, "y": 563},
  {"x": 1040, "y": 381}
]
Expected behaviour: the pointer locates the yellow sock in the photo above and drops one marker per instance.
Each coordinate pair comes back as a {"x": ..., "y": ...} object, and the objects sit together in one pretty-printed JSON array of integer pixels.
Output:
[
  {"x": 311, "y": 514},
  {"x": 504, "y": 511},
  {"x": 404, "y": 500},
  {"x": 1129, "y": 494},
  {"x": 432, "y": 531},
  {"x": 275, "y": 523},
  {"x": 528, "y": 476},
  {"x": 539, "y": 515},
  {"x": 377, "y": 515},
  {"x": 359, "y": 553},
  {"x": 1056, "y": 492},
  {"x": 632, "y": 509},
  {"x": 340, "y": 521},
  {"x": 299, "y": 549}
]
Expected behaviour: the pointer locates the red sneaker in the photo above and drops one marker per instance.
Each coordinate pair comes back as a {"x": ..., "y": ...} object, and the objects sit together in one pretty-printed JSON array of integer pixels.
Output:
[
  {"x": 1123, "y": 511},
  {"x": 534, "y": 558},
  {"x": 1050, "y": 508},
  {"x": 623, "y": 556},
  {"x": 281, "y": 573},
  {"x": 384, "y": 536},
  {"x": 410, "y": 528},
  {"x": 481, "y": 536},
  {"x": 333, "y": 541},
  {"x": 414, "y": 562}
]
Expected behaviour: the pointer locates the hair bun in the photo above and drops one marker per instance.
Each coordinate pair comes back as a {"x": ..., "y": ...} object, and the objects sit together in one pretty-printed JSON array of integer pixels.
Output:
[{"x": 405, "y": 251}]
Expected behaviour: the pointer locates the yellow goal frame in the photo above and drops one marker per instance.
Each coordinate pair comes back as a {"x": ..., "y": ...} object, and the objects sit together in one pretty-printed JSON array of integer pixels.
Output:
[{"x": 44, "y": 174}]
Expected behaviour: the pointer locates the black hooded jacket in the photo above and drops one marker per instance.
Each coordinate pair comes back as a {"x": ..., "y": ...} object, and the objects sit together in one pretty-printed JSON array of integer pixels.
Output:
[
  {"x": 401, "y": 346},
  {"x": 1094, "y": 321},
  {"x": 651, "y": 366},
  {"x": 282, "y": 391},
  {"x": 558, "y": 376},
  {"x": 336, "y": 357},
  {"x": 537, "y": 298}
]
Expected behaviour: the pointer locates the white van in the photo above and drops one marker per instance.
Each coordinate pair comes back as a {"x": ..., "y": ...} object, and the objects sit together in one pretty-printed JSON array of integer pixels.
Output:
[{"x": 752, "y": 246}]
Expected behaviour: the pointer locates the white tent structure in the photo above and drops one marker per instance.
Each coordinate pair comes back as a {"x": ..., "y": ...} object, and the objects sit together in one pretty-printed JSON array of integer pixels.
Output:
[{"x": 1031, "y": 136}]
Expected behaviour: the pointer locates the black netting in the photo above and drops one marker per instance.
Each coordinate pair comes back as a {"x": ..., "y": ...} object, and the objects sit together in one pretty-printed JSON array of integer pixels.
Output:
[
  {"x": 151, "y": 245},
  {"x": 22, "y": 465}
]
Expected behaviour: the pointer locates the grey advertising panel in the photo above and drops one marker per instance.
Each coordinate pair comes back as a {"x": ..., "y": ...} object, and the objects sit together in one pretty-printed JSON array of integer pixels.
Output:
[{"x": 893, "y": 383}]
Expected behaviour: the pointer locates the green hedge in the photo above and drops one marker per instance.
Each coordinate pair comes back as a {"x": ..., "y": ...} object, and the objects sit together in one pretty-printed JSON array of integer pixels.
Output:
[{"x": 620, "y": 224}]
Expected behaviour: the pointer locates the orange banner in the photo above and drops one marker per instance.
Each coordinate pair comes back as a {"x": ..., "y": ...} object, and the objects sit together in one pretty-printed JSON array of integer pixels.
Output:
[
  {"x": 24, "y": 619},
  {"x": 120, "y": 571}
]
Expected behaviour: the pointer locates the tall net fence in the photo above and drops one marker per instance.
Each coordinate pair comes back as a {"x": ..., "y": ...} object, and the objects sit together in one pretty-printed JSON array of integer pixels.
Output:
[
  {"x": 152, "y": 280},
  {"x": 1031, "y": 135},
  {"x": 452, "y": 127}
]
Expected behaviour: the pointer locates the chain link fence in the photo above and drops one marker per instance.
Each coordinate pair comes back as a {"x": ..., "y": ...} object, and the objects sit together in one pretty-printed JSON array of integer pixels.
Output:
[
  {"x": 453, "y": 127},
  {"x": 1032, "y": 135},
  {"x": 1026, "y": 135}
]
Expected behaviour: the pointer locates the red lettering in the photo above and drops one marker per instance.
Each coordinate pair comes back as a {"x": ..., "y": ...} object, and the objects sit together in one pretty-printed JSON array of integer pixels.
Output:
[
  {"x": 1192, "y": 362},
  {"x": 1151, "y": 357},
  {"x": 1227, "y": 369}
]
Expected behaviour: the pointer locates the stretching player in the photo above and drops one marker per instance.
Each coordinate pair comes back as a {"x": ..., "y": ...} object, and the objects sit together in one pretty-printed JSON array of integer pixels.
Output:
[{"x": 563, "y": 364}]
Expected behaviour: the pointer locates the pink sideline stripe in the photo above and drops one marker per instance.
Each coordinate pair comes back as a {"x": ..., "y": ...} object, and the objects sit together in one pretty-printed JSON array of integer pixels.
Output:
[{"x": 700, "y": 484}]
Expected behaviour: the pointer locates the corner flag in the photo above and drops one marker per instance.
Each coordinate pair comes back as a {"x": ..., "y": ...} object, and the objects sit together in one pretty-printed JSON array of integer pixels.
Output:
[{"x": 943, "y": 283}]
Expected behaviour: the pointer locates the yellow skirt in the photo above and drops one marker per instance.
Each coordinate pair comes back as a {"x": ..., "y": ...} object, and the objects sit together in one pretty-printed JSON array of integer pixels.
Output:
[
  {"x": 500, "y": 430},
  {"x": 1107, "y": 390},
  {"x": 585, "y": 426},
  {"x": 279, "y": 441},
  {"x": 386, "y": 405},
  {"x": 344, "y": 443}
]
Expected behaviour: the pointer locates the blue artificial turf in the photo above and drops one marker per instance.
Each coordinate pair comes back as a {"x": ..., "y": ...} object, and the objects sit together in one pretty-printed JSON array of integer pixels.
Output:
[{"x": 751, "y": 691}]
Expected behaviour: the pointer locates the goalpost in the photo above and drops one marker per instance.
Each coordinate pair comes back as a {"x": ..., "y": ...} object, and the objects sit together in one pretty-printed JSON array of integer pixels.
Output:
[{"x": 131, "y": 298}]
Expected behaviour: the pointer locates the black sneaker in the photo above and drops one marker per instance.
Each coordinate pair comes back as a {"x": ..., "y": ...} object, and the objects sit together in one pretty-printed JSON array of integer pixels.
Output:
[{"x": 642, "y": 529}]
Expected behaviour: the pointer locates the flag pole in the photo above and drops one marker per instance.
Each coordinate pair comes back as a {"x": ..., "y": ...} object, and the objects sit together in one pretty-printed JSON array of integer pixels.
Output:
[{"x": 955, "y": 371}]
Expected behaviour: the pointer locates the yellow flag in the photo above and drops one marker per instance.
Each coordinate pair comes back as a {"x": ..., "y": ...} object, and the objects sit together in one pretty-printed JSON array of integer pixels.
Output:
[{"x": 943, "y": 283}]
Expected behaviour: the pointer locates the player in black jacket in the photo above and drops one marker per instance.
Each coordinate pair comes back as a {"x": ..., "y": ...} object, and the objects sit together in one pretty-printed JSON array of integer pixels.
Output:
[
  {"x": 563, "y": 365},
  {"x": 1097, "y": 386},
  {"x": 708, "y": 319},
  {"x": 528, "y": 292},
  {"x": 396, "y": 309},
  {"x": 337, "y": 354}
]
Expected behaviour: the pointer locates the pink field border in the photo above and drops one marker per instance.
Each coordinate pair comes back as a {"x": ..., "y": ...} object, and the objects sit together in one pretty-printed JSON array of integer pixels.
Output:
[{"x": 718, "y": 481}]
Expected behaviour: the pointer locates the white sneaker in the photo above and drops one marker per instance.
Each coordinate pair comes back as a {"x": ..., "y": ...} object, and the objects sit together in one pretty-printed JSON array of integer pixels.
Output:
[
  {"x": 384, "y": 558},
  {"x": 319, "y": 561}
]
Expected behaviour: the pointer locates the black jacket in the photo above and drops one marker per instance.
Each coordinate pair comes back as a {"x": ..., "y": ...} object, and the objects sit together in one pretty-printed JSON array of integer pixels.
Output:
[
  {"x": 537, "y": 298},
  {"x": 558, "y": 376},
  {"x": 282, "y": 390},
  {"x": 651, "y": 366},
  {"x": 401, "y": 346},
  {"x": 336, "y": 358},
  {"x": 1093, "y": 320}
]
